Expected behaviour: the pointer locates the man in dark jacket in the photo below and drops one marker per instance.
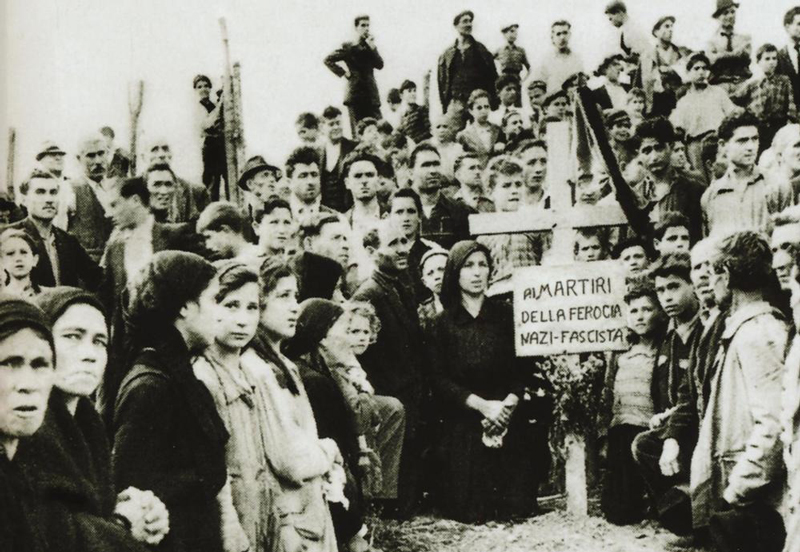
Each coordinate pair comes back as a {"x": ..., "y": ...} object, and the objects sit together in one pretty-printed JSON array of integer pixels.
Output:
[
  {"x": 62, "y": 259},
  {"x": 361, "y": 58},
  {"x": 335, "y": 149},
  {"x": 789, "y": 55},
  {"x": 444, "y": 220},
  {"x": 395, "y": 362},
  {"x": 465, "y": 66}
]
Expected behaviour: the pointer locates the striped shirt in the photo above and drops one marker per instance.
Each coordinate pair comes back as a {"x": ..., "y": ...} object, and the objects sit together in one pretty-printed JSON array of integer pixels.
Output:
[{"x": 633, "y": 398}]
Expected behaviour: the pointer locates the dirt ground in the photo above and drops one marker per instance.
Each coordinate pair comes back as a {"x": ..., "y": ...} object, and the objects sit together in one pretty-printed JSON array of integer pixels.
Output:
[{"x": 555, "y": 531}]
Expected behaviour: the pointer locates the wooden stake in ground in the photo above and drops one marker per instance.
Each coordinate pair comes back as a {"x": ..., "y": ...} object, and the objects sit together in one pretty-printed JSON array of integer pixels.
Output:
[
  {"x": 231, "y": 118},
  {"x": 12, "y": 152},
  {"x": 563, "y": 219},
  {"x": 135, "y": 100}
]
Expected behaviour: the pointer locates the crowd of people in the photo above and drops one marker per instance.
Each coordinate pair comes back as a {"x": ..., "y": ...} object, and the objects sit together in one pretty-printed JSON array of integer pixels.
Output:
[{"x": 180, "y": 372}]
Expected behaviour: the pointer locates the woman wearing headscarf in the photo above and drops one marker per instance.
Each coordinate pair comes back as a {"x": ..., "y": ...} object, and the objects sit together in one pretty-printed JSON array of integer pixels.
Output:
[
  {"x": 27, "y": 358},
  {"x": 69, "y": 457},
  {"x": 168, "y": 436},
  {"x": 376, "y": 422},
  {"x": 302, "y": 466},
  {"x": 486, "y": 451}
]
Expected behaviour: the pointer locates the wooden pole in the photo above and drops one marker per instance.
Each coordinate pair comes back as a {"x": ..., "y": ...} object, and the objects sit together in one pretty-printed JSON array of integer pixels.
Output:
[
  {"x": 229, "y": 114},
  {"x": 12, "y": 147},
  {"x": 135, "y": 100}
]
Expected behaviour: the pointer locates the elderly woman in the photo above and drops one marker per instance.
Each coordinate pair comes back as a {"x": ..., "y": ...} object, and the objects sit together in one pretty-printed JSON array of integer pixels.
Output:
[
  {"x": 168, "y": 436},
  {"x": 69, "y": 458},
  {"x": 306, "y": 470},
  {"x": 487, "y": 452}
]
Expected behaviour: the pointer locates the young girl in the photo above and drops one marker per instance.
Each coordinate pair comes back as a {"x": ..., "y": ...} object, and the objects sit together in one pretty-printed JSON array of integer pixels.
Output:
[
  {"x": 305, "y": 470},
  {"x": 480, "y": 136},
  {"x": 381, "y": 418},
  {"x": 241, "y": 402},
  {"x": 18, "y": 259},
  {"x": 629, "y": 405},
  {"x": 636, "y": 106}
]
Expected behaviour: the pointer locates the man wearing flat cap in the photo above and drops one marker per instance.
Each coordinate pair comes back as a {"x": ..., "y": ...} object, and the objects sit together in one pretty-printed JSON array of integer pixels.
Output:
[
  {"x": 618, "y": 125},
  {"x": 660, "y": 58},
  {"x": 512, "y": 59},
  {"x": 50, "y": 159},
  {"x": 360, "y": 59},
  {"x": 728, "y": 51},
  {"x": 465, "y": 66}
]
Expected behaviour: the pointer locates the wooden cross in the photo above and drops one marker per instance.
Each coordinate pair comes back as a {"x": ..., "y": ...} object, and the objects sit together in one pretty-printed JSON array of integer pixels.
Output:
[{"x": 562, "y": 219}]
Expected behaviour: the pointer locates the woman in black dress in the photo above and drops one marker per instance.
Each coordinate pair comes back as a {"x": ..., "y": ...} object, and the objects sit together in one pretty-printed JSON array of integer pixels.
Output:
[
  {"x": 168, "y": 436},
  {"x": 69, "y": 458},
  {"x": 489, "y": 451}
]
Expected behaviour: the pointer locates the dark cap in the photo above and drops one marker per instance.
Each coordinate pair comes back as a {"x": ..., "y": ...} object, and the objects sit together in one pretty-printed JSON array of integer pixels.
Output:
[
  {"x": 537, "y": 84},
  {"x": 55, "y": 301},
  {"x": 252, "y": 167},
  {"x": 509, "y": 27},
  {"x": 19, "y": 313},
  {"x": 661, "y": 21},
  {"x": 612, "y": 117},
  {"x": 616, "y": 6},
  {"x": 49, "y": 148},
  {"x": 724, "y": 5},
  {"x": 457, "y": 19}
]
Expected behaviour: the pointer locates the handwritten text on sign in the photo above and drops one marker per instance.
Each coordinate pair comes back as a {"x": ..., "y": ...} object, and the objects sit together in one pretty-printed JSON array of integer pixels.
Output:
[{"x": 576, "y": 308}]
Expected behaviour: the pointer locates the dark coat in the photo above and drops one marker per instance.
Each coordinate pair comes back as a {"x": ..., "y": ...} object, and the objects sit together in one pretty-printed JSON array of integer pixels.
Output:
[
  {"x": 486, "y": 71},
  {"x": 69, "y": 462},
  {"x": 335, "y": 421},
  {"x": 76, "y": 267},
  {"x": 169, "y": 438},
  {"x": 448, "y": 223},
  {"x": 785, "y": 67},
  {"x": 395, "y": 363},
  {"x": 114, "y": 294},
  {"x": 695, "y": 389},
  {"x": 21, "y": 529},
  {"x": 361, "y": 61},
  {"x": 334, "y": 194}
]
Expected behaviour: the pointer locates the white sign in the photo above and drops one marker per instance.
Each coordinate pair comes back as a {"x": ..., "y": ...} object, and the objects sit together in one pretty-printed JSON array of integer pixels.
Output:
[{"x": 575, "y": 308}]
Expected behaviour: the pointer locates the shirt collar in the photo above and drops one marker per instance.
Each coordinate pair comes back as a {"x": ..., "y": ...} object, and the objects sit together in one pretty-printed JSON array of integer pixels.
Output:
[
  {"x": 685, "y": 329},
  {"x": 725, "y": 183},
  {"x": 298, "y": 206},
  {"x": 742, "y": 315}
]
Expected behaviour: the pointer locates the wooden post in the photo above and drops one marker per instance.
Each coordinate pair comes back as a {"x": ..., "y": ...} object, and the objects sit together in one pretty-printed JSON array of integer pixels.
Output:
[
  {"x": 229, "y": 115},
  {"x": 12, "y": 147},
  {"x": 135, "y": 100}
]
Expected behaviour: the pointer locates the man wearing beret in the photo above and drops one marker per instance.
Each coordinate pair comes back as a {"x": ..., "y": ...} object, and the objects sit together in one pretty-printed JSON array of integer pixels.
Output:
[
  {"x": 465, "y": 66},
  {"x": 360, "y": 58}
]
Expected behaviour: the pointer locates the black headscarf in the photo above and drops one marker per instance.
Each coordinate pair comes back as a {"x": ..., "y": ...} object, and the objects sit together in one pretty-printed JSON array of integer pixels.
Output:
[
  {"x": 55, "y": 301},
  {"x": 317, "y": 316},
  {"x": 451, "y": 291}
]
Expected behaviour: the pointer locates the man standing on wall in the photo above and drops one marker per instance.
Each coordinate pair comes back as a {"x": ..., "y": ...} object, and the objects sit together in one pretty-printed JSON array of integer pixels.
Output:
[{"x": 360, "y": 59}]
